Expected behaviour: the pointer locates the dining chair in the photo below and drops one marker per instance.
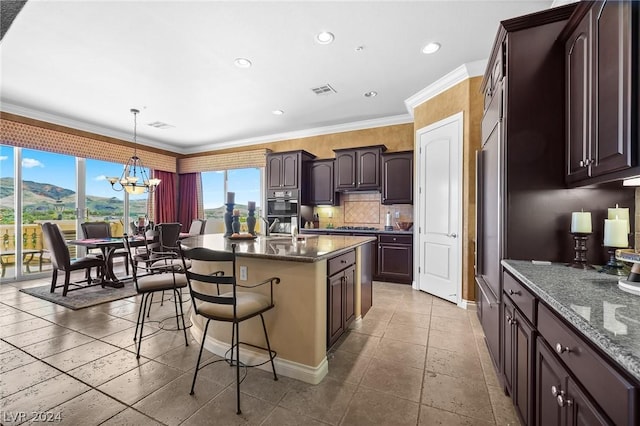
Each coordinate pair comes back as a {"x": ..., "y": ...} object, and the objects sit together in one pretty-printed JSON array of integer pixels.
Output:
[
  {"x": 61, "y": 260},
  {"x": 146, "y": 285},
  {"x": 197, "y": 227},
  {"x": 167, "y": 251},
  {"x": 103, "y": 230},
  {"x": 233, "y": 306}
]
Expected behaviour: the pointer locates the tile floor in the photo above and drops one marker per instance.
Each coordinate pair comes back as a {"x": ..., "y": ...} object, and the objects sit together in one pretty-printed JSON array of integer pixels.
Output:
[{"x": 413, "y": 360}]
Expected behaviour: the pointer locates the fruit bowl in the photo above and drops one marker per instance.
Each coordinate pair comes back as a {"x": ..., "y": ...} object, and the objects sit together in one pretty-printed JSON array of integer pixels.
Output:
[{"x": 405, "y": 226}]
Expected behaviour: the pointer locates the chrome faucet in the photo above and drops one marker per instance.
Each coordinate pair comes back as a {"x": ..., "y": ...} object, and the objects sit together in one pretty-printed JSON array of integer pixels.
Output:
[{"x": 269, "y": 228}]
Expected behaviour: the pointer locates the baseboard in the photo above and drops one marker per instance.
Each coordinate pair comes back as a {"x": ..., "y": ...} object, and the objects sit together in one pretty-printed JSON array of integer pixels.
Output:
[
  {"x": 248, "y": 355},
  {"x": 467, "y": 304}
]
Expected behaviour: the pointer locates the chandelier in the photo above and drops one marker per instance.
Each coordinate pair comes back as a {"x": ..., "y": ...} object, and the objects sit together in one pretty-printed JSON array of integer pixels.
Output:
[{"x": 134, "y": 177}]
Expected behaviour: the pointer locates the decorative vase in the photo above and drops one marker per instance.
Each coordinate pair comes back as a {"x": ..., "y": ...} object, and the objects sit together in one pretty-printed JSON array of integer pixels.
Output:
[
  {"x": 251, "y": 221},
  {"x": 228, "y": 215},
  {"x": 235, "y": 225}
]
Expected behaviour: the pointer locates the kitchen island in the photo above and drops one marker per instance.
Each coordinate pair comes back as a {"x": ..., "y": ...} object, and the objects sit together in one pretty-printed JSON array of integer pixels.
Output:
[{"x": 297, "y": 325}]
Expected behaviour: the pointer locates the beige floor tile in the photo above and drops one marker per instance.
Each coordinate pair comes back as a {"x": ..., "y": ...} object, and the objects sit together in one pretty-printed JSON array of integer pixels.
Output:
[
  {"x": 184, "y": 357},
  {"x": 44, "y": 396},
  {"x": 503, "y": 409},
  {"x": 430, "y": 416},
  {"x": 124, "y": 338},
  {"x": 222, "y": 408},
  {"x": 357, "y": 343},
  {"x": 136, "y": 384},
  {"x": 260, "y": 384},
  {"x": 456, "y": 364},
  {"x": 5, "y": 347},
  {"x": 465, "y": 397},
  {"x": 58, "y": 344},
  {"x": 217, "y": 370},
  {"x": 182, "y": 405},
  {"x": 47, "y": 310},
  {"x": 89, "y": 408},
  {"x": 411, "y": 318},
  {"x": 77, "y": 320},
  {"x": 327, "y": 401},
  {"x": 13, "y": 359},
  {"x": 106, "y": 328},
  {"x": 346, "y": 366},
  {"x": 131, "y": 417},
  {"x": 80, "y": 355},
  {"x": 370, "y": 328},
  {"x": 416, "y": 306},
  {"x": 408, "y": 354},
  {"x": 26, "y": 326},
  {"x": 28, "y": 375},
  {"x": 283, "y": 417},
  {"x": 38, "y": 335},
  {"x": 394, "y": 378},
  {"x": 15, "y": 316},
  {"x": 459, "y": 325},
  {"x": 407, "y": 333},
  {"x": 451, "y": 341},
  {"x": 369, "y": 407},
  {"x": 159, "y": 343},
  {"x": 108, "y": 367}
]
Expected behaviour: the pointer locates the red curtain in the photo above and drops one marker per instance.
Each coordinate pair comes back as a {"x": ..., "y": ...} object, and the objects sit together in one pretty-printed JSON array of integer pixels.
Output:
[
  {"x": 165, "y": 197},
  {"x": 188, "y": 199}
]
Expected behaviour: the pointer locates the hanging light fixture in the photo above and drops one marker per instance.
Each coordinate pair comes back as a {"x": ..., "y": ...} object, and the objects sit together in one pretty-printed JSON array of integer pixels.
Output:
[{"x": 134, "y": 177}]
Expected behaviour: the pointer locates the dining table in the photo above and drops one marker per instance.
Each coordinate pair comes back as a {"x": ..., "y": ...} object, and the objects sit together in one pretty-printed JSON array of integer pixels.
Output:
[{"x": 108, "y": 246}]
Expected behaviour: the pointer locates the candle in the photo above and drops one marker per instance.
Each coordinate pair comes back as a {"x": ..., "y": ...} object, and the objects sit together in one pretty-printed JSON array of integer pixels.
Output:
[
  {"x": 251, "y": 205},
  {"x": 615, "y": 233},
  {"x": 236, "y": 212},
  {"x": 619, "y": 213},
  {"x": 581, "y": 222},
  {"x": 231, "y": 197}
]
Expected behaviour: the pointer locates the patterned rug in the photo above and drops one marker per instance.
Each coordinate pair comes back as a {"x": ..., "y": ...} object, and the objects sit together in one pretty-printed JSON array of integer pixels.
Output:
[{"x": 82, "y": 298}]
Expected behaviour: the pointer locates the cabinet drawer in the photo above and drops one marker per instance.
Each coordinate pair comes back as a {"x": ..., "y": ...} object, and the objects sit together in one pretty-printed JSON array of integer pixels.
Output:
[
  {"x": 338, "y": 263},
  {"x": 395, "y": 239},
  {"x": 613, "y": 392},
  {"x": 521, "y": 297}
]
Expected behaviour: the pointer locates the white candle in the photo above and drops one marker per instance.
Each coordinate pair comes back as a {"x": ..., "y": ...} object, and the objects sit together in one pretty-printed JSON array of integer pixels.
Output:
[
  {"x": 615, "y": 233},
  {"x": 619, "y": 213},
  {"x": 581, "y": 222}
]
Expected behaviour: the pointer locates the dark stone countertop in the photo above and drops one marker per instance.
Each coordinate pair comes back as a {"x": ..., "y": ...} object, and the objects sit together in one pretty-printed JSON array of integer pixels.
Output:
[
  {"x": 590, "y": 301},
  {"x": 310, "y": 248}
]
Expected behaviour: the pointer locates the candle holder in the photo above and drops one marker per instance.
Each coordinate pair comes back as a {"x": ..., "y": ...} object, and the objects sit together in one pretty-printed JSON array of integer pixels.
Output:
[
  {"x": 613, "y": 265},
  {"x": 251, "y": 220},
  {"x": 580, "y": 249},
  {"x": 228, "y": 219}
]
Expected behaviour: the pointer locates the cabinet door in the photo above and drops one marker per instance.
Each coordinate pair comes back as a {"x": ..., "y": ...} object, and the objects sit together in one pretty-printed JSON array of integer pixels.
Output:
[
  {"x": 578, "y": 100},
  {"x": 580, "y": 410},
  {"x": 290, "y": 163},
  {"x": 368, "y": 168},
  {"x": 508, "y": 345},
  {"x": 335, "y": 326},
  {"x": 397, "y": 178},
  {"x": 349, "y": 296},
  {"x": 612, "y": 27},
  {"x": 321, "y": 190},
  {"x": 274, "y": 171},
  {"x": 550, "y": 379},
  {"x": 345, "y": 170},
  {"x": 523, "y": 344}
]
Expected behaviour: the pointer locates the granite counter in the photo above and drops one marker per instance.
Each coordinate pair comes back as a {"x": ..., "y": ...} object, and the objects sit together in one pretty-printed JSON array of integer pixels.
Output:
[{"x": 590, "y": 301}]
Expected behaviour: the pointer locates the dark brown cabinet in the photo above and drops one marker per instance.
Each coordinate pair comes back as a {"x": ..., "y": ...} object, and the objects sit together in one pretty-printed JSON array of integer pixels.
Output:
[
  {"x": 599, "y": 59},
  {"x": 395, "y": 258},
  {"x": 285, "y": 169},
  {"x": 397, "y": 178},
  {"x": 341, "y": 308},
  {"x": 321, "y": 189},
  {"x": 367, "y": 267},
  {"x": 358, "y": 169}
]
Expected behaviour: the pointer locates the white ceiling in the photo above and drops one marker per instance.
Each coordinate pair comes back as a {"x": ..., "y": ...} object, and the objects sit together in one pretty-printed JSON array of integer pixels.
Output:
[{"x": 85, "y": 63}]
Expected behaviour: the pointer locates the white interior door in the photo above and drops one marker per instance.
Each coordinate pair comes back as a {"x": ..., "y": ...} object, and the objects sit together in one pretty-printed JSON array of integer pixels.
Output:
[{"x": 439, "y": 208}]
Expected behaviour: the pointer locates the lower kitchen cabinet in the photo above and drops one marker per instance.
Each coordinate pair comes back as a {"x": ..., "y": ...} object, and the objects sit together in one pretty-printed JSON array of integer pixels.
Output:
[
  {"x": 395, "y": 258},
  {"x": 341, "y": 306}
]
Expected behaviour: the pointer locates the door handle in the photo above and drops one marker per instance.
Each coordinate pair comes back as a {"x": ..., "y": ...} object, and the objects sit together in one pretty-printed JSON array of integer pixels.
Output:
[{"x": 454, "y": 235}]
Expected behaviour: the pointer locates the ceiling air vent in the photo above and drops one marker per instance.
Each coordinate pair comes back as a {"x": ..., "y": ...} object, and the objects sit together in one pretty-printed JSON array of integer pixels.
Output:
[
  {"x": 324, "y": 90},
  {"x": 160, "y": 125}
]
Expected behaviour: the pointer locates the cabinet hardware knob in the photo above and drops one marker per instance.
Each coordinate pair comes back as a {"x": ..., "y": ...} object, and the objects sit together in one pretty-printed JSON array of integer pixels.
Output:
[
  {"x": 516, "y": 292},
  {"x": 582, "y": 163},
  {"x": 555, "y": 391},
  {"x": 561, "y": 349},
  {"x": 509, "y": 319},
  {"x": 562, "y": 400}
]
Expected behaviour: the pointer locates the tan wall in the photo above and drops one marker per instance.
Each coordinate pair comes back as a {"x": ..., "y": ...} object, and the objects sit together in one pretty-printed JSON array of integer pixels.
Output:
[{"x": 465, "y": 97}]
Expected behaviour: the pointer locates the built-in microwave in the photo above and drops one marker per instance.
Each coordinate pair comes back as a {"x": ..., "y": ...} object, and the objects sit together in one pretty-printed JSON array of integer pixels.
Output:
[{"x": 282, "y": 207}]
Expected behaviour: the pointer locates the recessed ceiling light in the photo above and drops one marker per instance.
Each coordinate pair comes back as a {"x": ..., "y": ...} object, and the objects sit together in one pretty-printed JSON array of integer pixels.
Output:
[
  {"x": 242, "y": 63},
  {"x": 277, "y": 112},
  {"x": 324, "y": 37},
  {"x": 371, "y": 94},
  {"x": 432, "y": 47},
  {"x": 359, "y": 48}
]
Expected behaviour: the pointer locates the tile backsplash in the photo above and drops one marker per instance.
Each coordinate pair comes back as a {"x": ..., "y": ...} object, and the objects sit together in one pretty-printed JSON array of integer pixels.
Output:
[{"x": 363, "y": 209}]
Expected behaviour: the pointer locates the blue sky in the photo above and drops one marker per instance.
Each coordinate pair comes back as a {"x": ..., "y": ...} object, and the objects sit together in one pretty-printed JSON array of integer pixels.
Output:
[{"x": 58, "y": 169}]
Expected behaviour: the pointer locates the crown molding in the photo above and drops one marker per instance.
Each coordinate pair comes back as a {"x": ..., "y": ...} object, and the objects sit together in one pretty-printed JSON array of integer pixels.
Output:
[
  {"x": 318, "y": 131},
  {"x": 458, "y": 75}
]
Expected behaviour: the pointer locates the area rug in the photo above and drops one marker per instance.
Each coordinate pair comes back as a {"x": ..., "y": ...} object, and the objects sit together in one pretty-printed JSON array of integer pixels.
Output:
[{"x": 82, "y": 298}]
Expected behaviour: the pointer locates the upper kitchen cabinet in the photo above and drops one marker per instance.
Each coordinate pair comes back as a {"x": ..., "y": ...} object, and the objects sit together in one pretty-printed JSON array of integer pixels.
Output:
[
  {"x": 285, "y": 169},
  {"x": 320, "y": 186},
  {"x": 358, "y": 169},
  {"x": 397, "y": 178},
  {"x": 601, "y": 52}
]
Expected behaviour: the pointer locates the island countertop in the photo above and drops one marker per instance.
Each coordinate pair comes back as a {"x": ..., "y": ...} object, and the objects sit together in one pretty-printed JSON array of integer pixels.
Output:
[
  {"x": 308, "y": 248},
  {"x": 592, "y": 303}
]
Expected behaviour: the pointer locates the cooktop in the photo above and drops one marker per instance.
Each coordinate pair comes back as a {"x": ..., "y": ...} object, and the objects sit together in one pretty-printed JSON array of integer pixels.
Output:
[{"x": 358, "y": 228}]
